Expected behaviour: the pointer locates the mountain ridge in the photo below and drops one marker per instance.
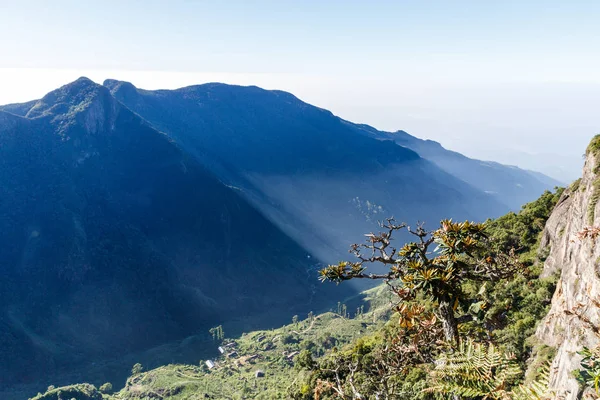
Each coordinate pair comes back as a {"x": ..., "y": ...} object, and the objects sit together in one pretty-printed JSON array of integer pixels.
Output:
[
  {"x": 287, "y": 149},
  {"x": 511, "y": 184}
]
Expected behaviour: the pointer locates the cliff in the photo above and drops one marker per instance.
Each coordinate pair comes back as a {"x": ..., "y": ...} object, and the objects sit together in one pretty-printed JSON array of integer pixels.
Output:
[{"x": 575, "y": 309}]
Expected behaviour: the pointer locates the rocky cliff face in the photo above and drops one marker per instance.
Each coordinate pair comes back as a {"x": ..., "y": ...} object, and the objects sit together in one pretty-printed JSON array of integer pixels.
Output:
[{"x": 575, "y": 305}]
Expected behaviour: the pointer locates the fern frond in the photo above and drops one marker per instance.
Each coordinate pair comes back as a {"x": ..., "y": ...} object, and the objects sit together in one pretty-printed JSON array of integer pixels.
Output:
[
  {"x": 538, "y": 389},
  {"x": 473, "y": 371}
]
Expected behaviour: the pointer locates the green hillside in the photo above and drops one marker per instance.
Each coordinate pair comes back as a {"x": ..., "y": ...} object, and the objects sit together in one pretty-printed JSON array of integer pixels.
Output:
[{"x": 274, "y": 352}]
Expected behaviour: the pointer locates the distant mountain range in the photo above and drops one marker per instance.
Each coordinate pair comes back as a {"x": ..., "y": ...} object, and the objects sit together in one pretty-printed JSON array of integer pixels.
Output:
[
  {"x": 511, "y": 185},
  {"x": 131, "y": 217}
]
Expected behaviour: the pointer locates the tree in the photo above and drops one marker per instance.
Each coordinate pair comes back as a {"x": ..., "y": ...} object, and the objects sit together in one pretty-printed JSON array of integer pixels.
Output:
[
  {"x": 137, "y": 369},
  {"x": 217, "y": 332},
  {"x": 106, "y": 388},
  {"x": 463, "y": 253},
  {"x": 304, "y": 360},
  {"x": 359, "y": 311},
  {"x": 389, "y": 364}
]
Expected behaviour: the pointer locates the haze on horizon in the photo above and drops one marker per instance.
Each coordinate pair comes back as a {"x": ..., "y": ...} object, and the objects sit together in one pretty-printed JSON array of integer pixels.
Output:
[{"x": 515, "y": 82}]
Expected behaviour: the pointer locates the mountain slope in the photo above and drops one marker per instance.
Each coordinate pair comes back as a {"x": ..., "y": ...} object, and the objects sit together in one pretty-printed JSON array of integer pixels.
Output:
[
  {"x": 511, "y": 185},
  {"x": 312, "y": 174},
  {"x": 115, "y": 240}
]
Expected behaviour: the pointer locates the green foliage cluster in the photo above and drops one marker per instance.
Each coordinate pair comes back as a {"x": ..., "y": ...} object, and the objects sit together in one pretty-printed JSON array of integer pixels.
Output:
[
  {"x": 573, "y": 187},
  {"x": 463, "y": 255},
  {"x": 521, "y": 231},
  {"x": 217, "y": 332},
  {"x": 589, "y": 374},
  {"x": 106, "y": 388},
  {"x": 370, "y": 365},
  {"x": 83, "y": 391},
  {"x": 512, "y": 309},
  {"x": 593, "y": 200},
  {"x": 477, "y": 371},
  {"x": 307, "y": 340},
  {"x": 594, "y": 146},
  {"x": 504, "y": 313},
  {"x": 137, "y": 369},
  {"x": 594, "y": 149}
]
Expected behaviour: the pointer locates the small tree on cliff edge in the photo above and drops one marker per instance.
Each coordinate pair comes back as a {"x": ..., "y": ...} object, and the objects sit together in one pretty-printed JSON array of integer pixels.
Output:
[{"x": 463, "y": 253}]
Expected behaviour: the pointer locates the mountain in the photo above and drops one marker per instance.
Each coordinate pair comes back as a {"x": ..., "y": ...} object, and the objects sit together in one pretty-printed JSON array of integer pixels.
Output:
[
  {"x": 130, "y": 218},
  {"x": 116, "y": 240},
  {"x": 511, "y": 185},
  {"x": 316, "y": 176}
]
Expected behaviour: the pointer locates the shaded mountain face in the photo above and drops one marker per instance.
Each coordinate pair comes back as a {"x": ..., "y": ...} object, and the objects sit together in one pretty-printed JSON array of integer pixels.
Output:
[
  {"x": 511, "y": 185},
  {"x": 114, "y": 239},
  {"x": 316, "y": 176}
]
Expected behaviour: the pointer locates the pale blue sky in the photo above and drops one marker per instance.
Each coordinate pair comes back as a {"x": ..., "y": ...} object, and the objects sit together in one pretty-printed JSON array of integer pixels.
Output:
[{"x": 502, "y": 80}]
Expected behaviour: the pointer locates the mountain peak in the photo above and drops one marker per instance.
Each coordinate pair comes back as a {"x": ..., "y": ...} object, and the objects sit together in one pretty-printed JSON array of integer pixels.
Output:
[
  {"x": 114, "y": 84},
  {"x": 67, "y": 99},
  {"x": 82, "y": 81},
  {"x": 82, "y": 102}
]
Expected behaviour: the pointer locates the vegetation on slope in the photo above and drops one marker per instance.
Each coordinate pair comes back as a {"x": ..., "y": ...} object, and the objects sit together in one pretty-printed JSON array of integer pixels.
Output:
[
  {"x": 276, "y": 353},
  {"x": 594, "y": 149},
  {"x": 377, "y": 348},
  {"x": 475, "y": 370},
  {"x": 513, "y": 309},
  {"x": 83, "y": 391},
  {"x": 504, "y": 314}
]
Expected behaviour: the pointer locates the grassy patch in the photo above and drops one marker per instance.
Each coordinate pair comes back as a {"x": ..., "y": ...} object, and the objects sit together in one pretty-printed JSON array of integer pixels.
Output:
[
  {"x": 541, "y": 357},
  {"x": 594, "y": 149},
  {"x": 83, "y": 391},
  {"x": 591, "y": 214},
  {"x": 273, "y": 352},
  {"x": 594, "y": 146}
]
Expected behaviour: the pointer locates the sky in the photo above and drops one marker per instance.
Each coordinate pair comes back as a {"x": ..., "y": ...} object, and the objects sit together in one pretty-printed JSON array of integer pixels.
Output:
[{"x": 512, "y": 81}]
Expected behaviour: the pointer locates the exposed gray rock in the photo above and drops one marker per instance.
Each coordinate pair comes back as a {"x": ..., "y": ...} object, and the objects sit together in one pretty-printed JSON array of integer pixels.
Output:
[{"x": 567, "y": 327}]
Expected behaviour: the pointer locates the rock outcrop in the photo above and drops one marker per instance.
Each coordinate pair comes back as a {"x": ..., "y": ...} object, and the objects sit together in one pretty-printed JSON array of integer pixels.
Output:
[{"x": 575, "y": 309}]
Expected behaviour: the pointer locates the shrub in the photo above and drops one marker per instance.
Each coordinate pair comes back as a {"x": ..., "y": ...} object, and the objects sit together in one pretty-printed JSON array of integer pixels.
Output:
[
  {"x": 106, "y": 388},
  {"x": 137, "y": 369}
]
